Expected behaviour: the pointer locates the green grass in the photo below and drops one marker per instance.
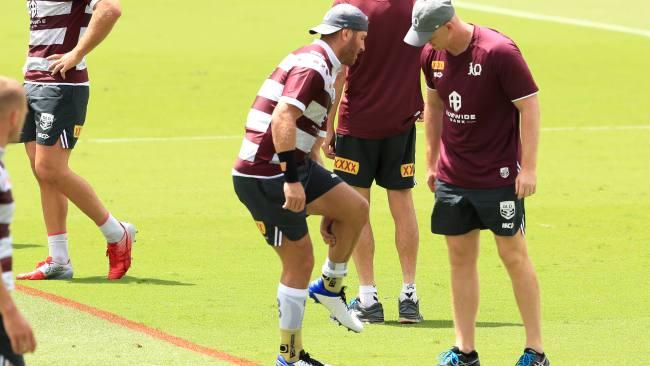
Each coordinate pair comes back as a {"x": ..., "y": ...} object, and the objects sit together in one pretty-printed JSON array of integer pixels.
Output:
[{"x": 201, "y": 270}]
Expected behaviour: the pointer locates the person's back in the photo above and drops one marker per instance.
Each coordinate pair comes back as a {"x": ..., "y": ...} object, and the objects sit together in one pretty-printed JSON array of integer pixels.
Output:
[{"x": 383, "y": 96}]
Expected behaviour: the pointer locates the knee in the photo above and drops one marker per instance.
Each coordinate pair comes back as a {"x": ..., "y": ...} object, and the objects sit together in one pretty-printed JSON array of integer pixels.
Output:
[
  {"x": 361, "y": 210},
  {"x": 47, "y": 173},
  {"x": 513, "y": 257},
  {"x": 461, "y": 260}
]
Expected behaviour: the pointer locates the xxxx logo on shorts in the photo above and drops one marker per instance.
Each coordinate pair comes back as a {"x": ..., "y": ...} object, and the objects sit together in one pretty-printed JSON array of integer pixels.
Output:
[
  {"x": 261, "y": 227},
  {"x": 408, "y": 170},
  {"x": 77, "y": 131},
  {"x": 345, "y": 165}
]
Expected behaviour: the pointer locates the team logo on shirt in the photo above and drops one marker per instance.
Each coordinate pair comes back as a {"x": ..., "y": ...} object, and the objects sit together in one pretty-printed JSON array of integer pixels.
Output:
[
  {"x": 475, "y": 69},
  {"x": 507, "y": 209},
  {"x": 455, "y": 101},
  {"x": 46, "y": 121},
  {"x": 33, "y": 9},
  {"x": 408, "y": 170},
  {"x": 348, "y": 166},
  {"x": 505, "y": 172}
]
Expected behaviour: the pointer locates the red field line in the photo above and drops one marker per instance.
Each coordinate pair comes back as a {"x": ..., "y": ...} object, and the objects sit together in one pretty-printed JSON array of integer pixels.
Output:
[{"x": 138, "y": 327}]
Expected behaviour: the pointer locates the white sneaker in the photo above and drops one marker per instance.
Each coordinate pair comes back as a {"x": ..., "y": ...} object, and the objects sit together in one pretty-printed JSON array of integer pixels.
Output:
[
  {"x": 48, "y": 270},
  {"x": 336, "y": 304}
]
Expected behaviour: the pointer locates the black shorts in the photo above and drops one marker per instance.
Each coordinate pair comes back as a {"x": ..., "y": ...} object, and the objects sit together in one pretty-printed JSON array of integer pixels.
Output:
[
  {"x": 264, "y": 199},
  {"x": 6, "y": 353},
  {"x": 458, "y": 210},
  {"x": 55, "y": 113},
  {"x": 389, "y": 161}
]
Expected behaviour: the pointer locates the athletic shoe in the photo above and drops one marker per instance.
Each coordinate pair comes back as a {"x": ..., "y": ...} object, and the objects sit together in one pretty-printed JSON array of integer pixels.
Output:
[
  {"x": 373, "y": 314},
  {"x": 305, "y": 360},
  {"x": 454, "y": 357},
  {"x": 119, "y": 254},
  {"x": 48, "y": 270},
  {"x": 409, "y": 311},
  {"x": 532, "y": 358},
  {"x": 336, "y": 304}
]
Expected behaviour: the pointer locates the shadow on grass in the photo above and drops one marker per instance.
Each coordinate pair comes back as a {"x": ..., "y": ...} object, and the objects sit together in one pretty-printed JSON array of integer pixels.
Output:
[
  {"x": 445, "y": 324},
  {"x": 26, "y": 246},
  {"x": 128, "y": 280}
]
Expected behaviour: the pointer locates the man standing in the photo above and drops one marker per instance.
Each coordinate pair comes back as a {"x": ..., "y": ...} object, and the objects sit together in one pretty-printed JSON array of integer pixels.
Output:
[
  {"x": 375, "y": 141},
  {"x": 56, "y": 80},
  {"x": 482, "y": 123},
  {"x": 16, "y": 335},
  {"x": 278, "y": 176}
]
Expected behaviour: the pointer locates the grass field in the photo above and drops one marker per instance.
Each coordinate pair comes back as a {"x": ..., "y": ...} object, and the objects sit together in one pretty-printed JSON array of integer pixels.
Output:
[{"x": 201, "y": 271}]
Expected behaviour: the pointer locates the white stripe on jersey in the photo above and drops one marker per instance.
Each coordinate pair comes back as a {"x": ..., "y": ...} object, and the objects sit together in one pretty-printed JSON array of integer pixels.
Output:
[
  {"x": 258, "y": 120},
  {"x": 92, "y": 5},
  {"x": 316, "y": 113},
  {"x": 294, "y": 102},
  {"x": 47, "y": 37},
  {"x": 36, "y": 64},
  {"x": 288, "y": 62},
  {"x": 304, "y": 141},
  {"x": 271, "y": 89},
  {"x": 248, "y": 150},
  {"x": 5, "y": 247},
  {"x": 315, "y": 63},
  {"x": 52, "y": 8},
  {"x": 6, "y": 212},
  {"x": 8, "y": 279}
]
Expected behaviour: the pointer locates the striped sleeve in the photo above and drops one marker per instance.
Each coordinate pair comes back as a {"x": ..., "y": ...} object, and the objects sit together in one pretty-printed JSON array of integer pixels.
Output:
[{"x": 302, "y": 86}]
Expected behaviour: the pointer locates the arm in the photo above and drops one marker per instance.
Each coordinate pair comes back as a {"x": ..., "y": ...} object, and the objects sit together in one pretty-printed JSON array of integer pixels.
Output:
[
  {"x": 104, "y": 17},
  {"x": 19, "y": 332},
  {"x": 328, "y": 143},
  {"x": 526, "y": 182},
  {"x": 433, "y": 111},
  {"x": 283, "y": 127}
]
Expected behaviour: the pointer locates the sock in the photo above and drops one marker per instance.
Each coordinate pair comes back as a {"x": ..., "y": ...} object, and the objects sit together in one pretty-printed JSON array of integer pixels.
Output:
[
  {"x": 530, "y": 350},
  {"x": 368, "y": 295},
  {"x": 470, "y": 355},
  {"x": 291, "y": 306},
  {"x": 58, "y": 248},
  {"x": 408, "y": 292},
  {"x": 112, "y": 230},
  {"x": 333, "y": 274}
]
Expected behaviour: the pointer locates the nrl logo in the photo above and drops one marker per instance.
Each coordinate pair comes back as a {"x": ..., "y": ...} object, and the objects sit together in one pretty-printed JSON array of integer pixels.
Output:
[
  {"x": 507, "y": 209},
  {"x": 505, "y": 172},
  {"x": 33, "y": 9},
  {"x": 46, "y": 121}
]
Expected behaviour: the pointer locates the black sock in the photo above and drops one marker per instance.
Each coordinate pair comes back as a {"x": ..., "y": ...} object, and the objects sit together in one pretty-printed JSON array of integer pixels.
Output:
[{"x": 530, "y": 350}]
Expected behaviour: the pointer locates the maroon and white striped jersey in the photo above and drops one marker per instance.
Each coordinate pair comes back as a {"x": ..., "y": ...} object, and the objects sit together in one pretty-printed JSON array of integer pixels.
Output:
[
  {"x": 56, "y": 27},
  {"x": 6, "y": 214},
  {"x": 304, "y": 79}
]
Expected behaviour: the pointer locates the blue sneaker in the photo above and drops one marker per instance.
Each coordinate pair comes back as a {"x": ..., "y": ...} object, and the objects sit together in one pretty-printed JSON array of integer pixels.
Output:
[
  {"x": 336, "y": 304},
  {"x": 532, "y": 358},
  {"x": 305, "y": 360},
  {"x": 454, "y": 357}
]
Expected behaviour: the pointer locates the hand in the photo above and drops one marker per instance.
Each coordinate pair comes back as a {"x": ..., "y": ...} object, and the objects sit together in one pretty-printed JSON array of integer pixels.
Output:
[
  {"x": 431, "y": 179},
  {"x": 526, "y": 183},
  {"x": 326, "y": 231},
  {"x": 19, "y": 332},
  {"x": 328, "y": 146},
  {"x": 294, "y": 197},
  {"x": 65, "y": 62}
]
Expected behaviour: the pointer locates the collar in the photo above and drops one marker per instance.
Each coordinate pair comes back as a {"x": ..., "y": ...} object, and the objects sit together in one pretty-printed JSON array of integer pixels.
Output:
[{"x": 336, "y": 64}]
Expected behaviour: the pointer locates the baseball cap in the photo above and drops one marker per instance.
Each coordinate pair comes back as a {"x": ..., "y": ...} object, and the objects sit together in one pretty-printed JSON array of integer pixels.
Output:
[
  {"x": 428, "y": 16},
  {"x": 342, "y": 16}
]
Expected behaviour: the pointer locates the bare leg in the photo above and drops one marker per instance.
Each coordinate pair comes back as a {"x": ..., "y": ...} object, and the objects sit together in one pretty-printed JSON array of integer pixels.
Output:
[
  {"x": 463, "y": 257},
  {"x": 364, "y": 252},
  {"x": 514, "y": 255},
  {"x": 406, "y": 231}
]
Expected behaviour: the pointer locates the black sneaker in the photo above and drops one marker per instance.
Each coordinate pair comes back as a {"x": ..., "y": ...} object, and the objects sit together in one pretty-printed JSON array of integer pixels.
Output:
[
  {"x": 532, "y": 358},
  {"x": 305, "y": 360},
  {"x": 409, "y": 311},
  {"x": 454, "y": 357},
  {"x": 372, "y": 314}
]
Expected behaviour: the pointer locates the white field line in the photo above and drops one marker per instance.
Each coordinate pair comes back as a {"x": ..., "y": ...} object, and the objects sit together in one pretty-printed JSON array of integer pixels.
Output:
[
  {"x": 552, "y": 18},
  {"x": 240, "y": 137}
]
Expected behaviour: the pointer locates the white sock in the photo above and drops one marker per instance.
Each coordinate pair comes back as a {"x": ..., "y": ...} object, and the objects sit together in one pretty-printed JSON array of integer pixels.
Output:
[
  {"x": 368, "y": 295},
  {"x": 112, "y": 230},
  {"x": 291, "y": 304},
  {"x": 408, "y": 292},
  {"x": 58, "y": 247}
]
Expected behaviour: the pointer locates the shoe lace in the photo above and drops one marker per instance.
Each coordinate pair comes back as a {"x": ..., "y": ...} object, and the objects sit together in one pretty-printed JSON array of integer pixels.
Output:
[
  {"x": 310, "y": 361},
  {"x": 342, "y": 296},
  {"x": 449, "y": 358},
  {"x": 526, "y": 359},
  {"x": 354, "y": 302}
]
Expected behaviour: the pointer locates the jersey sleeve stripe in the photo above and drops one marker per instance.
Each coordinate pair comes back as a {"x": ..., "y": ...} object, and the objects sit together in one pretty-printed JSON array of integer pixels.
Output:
[
  {"x": 316, "y": 112},
  {"x": 294, "y": 102},
  {"x": 271, "y": 89},
  {"x": 258, "y": 120},
  {"x": 525, "y": 96}
]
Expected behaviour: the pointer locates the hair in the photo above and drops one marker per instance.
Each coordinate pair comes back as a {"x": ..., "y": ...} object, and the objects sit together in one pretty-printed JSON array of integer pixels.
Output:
[{"x": 11, "y": 94}]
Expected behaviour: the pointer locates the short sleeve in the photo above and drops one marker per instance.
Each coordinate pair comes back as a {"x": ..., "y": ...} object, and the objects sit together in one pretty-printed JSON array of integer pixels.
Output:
[
  {"x": 515, "y": 77},
  {"x": 302, "y": 86},
  {"x": 426, "y": 60}
]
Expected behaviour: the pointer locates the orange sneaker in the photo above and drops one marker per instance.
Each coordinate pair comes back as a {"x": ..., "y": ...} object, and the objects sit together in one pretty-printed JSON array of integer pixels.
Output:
[{"x": 119, "y": 254}]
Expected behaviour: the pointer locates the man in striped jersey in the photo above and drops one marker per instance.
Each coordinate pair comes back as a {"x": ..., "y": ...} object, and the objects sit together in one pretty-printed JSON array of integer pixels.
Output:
[
  {"x": 56, "y": 80},
  {"x": 278, "y": 176},
  {"x": 16, "y": 335}
]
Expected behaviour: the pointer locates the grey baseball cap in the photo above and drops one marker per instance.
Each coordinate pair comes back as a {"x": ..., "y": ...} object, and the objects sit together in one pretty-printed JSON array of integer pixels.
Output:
[
  {"x": 342, "y": 16},
  {"x": 428, "y": 16}
]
